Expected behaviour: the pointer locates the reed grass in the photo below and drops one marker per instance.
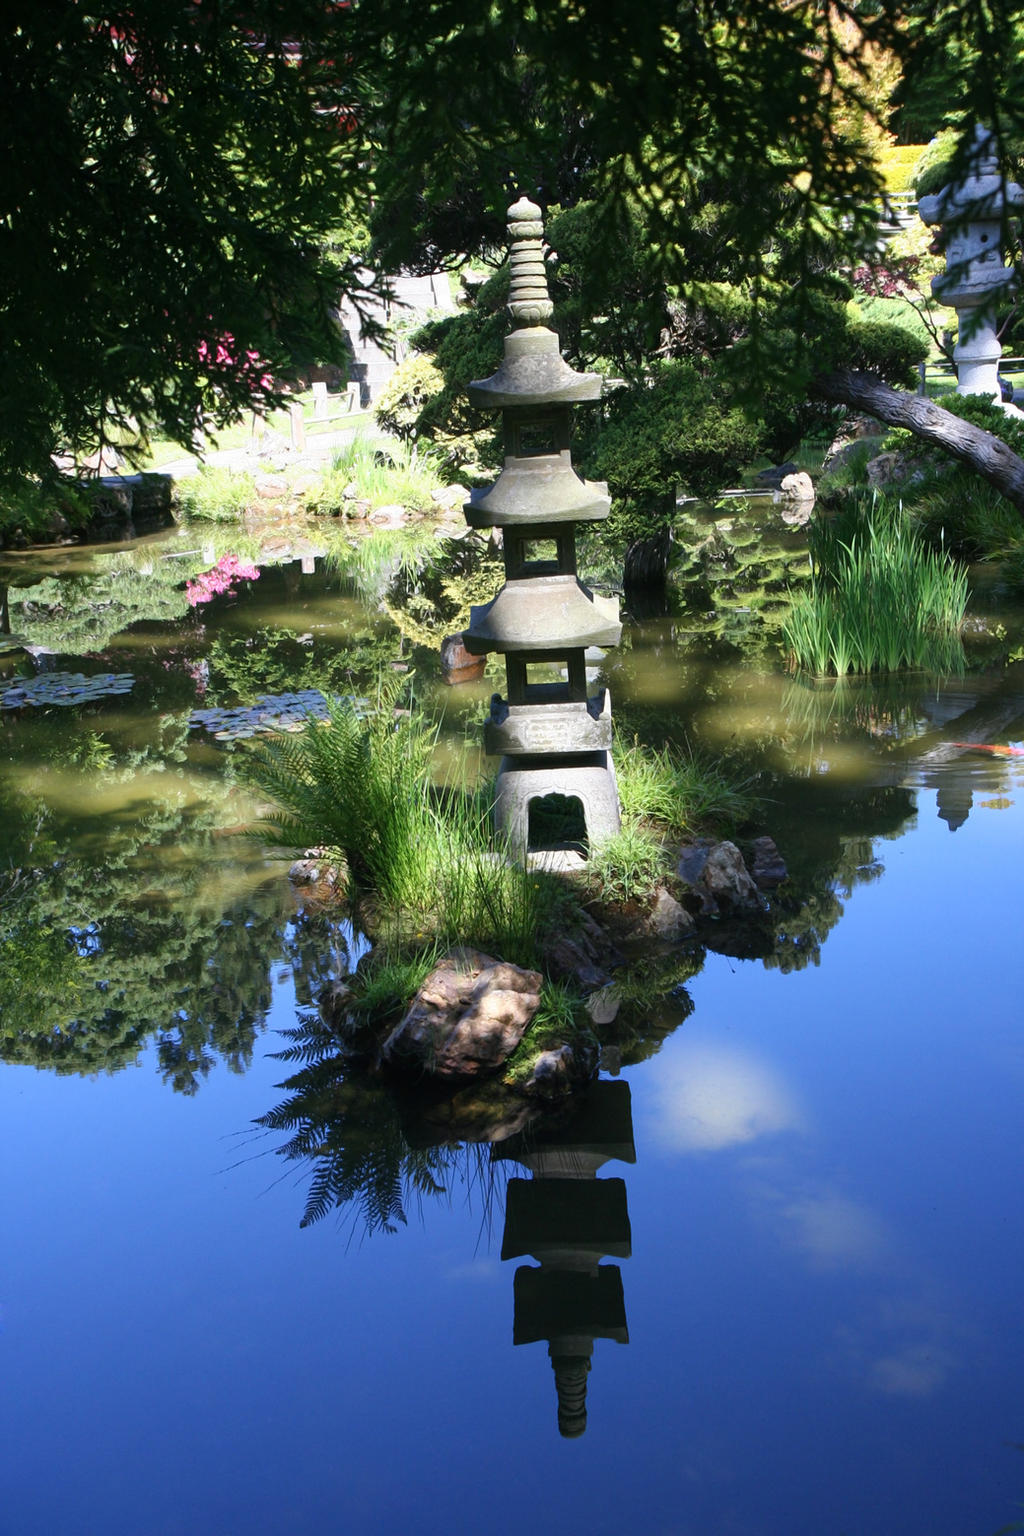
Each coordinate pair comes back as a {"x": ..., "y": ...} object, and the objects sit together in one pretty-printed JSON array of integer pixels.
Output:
[{"x": 878, "y": 601}]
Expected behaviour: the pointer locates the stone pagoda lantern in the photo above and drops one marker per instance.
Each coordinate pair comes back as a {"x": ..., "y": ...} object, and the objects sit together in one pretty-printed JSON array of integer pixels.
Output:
[
  {"x": 551, "y": 736},
  {"x": 973, "y": 212}
]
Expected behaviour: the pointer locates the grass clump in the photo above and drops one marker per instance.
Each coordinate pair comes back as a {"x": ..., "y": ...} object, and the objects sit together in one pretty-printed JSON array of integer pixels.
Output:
[
  {"x": 560, "y": 1020},
  {"x": 215, "y": 494},
  {"x": 629, "y": 865},
  {"x": 359, "y": 783},
  {"x": 388, "y": 982},
  {"x": 680, "y": 790},
  {"x": 381, "y": 472},
  {"x": 878, "y": 601}
]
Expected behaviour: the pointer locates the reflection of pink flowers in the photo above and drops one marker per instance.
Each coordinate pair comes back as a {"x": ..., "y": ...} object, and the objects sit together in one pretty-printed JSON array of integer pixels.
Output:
[{"x": 220, "y": 578}]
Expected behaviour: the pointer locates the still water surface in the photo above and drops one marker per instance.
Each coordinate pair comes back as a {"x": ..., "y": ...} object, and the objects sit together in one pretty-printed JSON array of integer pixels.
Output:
[{"x": 821, "y": 1244}]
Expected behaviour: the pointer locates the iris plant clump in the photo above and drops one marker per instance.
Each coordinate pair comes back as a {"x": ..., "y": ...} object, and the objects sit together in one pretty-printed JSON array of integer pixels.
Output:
[{"x": 879, "y": 601}]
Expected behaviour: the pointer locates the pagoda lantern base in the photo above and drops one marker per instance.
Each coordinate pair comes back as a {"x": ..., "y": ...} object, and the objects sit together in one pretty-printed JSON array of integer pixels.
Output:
[{"x": 588, "y": 777}]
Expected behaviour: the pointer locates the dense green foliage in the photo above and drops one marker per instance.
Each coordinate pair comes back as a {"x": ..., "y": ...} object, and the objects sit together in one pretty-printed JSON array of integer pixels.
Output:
[
  {"x": 186, "y": 185},
  {"x": 34, "y": 513},
  {"x": 171, "y": 174},
  {"x": 671, "y": 432},
  {"x": 951, "y": 507}
]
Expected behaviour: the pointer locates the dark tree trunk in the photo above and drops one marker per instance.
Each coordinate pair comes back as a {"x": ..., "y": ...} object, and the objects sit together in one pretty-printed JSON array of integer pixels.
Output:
[
  {"x": 987, "y": 455},
  {"x": 646, "y": 561}
]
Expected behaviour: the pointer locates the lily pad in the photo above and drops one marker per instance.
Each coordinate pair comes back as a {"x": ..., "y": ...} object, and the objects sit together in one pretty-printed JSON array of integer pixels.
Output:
[
  {"x": 271, "y": 712},
  {"x": 63, "y": 688}
]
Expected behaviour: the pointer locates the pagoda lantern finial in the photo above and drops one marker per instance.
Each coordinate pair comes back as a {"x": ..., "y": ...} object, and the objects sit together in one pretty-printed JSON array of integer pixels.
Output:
[{"x": 528, "y": 299}]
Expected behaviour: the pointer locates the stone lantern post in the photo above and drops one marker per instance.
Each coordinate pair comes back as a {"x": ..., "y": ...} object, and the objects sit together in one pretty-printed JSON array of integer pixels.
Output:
[
  {"x": 973, "y": 212},
  {"x": 551, "y": 736}
]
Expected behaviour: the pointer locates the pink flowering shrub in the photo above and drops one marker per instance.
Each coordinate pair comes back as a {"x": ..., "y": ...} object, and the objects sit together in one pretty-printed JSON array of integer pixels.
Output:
[
  {"x": 219, "y": 579},
  {"x": 221, "y": 357}
]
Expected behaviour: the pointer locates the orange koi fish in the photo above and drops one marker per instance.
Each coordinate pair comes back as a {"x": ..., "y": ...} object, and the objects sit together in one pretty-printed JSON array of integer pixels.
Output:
[{"x": 999, "y": 750}]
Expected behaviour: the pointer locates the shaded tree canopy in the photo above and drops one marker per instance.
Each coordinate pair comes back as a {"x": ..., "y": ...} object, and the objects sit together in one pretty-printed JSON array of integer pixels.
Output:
[
  {"x": 576, "y": 98},
  {"x": 170, "y": 174},
  {"x": 173, "y": 173}
]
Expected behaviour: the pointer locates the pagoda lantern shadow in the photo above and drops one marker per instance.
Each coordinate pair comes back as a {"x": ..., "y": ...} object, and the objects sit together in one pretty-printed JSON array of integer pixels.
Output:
[{"x": 568, "y": 1219}]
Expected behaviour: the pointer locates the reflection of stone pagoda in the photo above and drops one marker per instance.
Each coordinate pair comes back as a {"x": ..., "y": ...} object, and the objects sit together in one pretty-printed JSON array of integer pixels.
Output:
[
  {"x": 552, "y": 737},
  {"x": 568, "y": 1220},
  {"x": 976, "y": 278}
]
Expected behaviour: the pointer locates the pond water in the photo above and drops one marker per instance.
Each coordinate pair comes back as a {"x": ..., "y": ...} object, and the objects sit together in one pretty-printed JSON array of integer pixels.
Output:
[{"x": 795, "y": 1192}]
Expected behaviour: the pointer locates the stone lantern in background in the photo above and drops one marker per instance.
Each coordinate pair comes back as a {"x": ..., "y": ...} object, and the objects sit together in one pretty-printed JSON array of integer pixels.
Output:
[
  {"x": 552, "y": 737},
  {"x": 973, "y": 213}
]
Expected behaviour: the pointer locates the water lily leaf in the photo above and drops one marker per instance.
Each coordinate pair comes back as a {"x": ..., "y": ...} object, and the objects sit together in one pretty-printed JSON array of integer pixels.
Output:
[
  {"x": 63, "y": 688},
  {"x": 271, "y": 712}
]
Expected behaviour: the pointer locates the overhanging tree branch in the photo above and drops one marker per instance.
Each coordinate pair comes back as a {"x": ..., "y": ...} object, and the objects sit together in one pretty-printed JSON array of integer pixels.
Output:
[{"x": 982, "y": 451}]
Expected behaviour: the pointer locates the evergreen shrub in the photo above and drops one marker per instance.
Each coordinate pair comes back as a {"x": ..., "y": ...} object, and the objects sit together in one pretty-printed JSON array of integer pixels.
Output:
[{"x": 670, "y": 431}]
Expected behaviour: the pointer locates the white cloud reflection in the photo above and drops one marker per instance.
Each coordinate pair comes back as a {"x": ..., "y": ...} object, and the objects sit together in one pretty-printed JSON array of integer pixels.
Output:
[
  {"x": 916, "y": 1371},
  {"x": 714, "y": 1096},
  {"x": 833, "y": 1231}
]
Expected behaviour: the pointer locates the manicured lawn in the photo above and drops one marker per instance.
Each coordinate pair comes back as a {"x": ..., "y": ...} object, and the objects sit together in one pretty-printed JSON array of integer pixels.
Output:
[{"x": 237, "y": 436}]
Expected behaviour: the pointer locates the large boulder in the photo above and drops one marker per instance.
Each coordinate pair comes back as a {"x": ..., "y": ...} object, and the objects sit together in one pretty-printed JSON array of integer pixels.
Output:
[
  {"x": 717, "y": 875},
  {"x": 668, "y": 919},
  {"x": 885, "y": 470},
  {"x": 727, "y": 880},
  {"x": 797, "y": 486},
  {"x": 466, "y": 1019},
  {"x": 571, "y": 959}
]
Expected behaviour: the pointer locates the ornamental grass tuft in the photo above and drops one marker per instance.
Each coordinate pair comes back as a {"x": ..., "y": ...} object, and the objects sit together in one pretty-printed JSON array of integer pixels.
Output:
[
  {"x": 359, "y": 783},
  {"x": 682, "y": 790}
]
